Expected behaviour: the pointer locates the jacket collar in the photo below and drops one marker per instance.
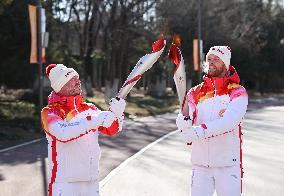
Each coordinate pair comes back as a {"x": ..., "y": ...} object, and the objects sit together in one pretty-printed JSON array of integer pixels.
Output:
[
  {"x": 70, "y": 101},
  {"x": 214, "y": 83}
]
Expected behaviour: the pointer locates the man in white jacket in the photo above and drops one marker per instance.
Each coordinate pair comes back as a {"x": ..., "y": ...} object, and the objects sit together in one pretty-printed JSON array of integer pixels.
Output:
[
  {"x": 217, "y": 107},
  {"x": 71, "y": 128}
]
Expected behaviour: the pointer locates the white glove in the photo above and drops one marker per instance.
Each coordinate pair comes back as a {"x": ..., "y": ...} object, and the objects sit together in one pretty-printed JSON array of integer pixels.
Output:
[
  {"x": 193, "y": 134},
  {"x": 183, "y": 124},
  {"x": 117, "y": 106},
  {"x": 108, "y": 118},
  {"x": 190, "y": 133},
  {"x": 104, "y": 118}
]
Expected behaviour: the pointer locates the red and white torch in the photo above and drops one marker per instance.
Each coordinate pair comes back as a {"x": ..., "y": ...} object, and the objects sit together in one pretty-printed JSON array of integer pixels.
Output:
[
  {"x": 179, "y": 74},
  {"x": 144, "y": 63}
]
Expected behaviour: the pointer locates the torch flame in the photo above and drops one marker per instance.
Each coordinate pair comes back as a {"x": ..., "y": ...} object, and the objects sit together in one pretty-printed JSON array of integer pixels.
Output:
[{"x": 176, "y": 40}]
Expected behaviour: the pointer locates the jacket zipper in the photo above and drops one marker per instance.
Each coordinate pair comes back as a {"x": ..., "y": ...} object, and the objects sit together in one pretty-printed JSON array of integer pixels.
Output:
[
  {"x": 214, "y": 86},
  {"x": 75, "y": 106}
]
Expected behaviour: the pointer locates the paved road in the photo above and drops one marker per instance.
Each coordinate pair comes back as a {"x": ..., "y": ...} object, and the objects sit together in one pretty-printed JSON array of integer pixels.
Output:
[
  {"x": 23, "y": 170},
  {"x": 164, "y": 168}
]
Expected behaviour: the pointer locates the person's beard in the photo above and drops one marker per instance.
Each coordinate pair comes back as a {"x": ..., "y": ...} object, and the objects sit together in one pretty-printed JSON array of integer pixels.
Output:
[
  {"x": 214, "y": 71},
  {"x": 75, "y": 91}
]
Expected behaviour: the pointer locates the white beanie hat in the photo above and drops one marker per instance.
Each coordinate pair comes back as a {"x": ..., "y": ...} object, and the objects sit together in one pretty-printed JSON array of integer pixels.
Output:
[
  {"x": 223, "y": 52},
  {"x": 59, "y": 75}
]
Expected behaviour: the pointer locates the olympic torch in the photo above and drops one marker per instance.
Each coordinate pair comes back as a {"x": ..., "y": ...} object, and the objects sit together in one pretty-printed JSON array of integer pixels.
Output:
[
  {"x": 144, "y": 64},
  {"x": 179, "y": 74}
]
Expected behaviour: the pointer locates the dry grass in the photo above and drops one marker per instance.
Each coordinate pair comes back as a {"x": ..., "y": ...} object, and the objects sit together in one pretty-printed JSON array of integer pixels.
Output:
[{"x": 139, "y": 104}]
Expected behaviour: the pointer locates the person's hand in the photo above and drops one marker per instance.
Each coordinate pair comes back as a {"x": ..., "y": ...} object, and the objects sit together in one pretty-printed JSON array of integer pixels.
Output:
[
  {"x": 190, "y": 133},
  {"x": 104, "y": 118},
  {"x": 193, "y": 134},
  {"x": 183, "y": 123},
  {"x": 117, "y": 106},
  {"x": 107, "y": 118}
]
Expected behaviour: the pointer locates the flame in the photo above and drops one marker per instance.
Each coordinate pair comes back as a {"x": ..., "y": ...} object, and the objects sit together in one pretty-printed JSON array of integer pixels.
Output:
[{"x": 176, "y": 40}]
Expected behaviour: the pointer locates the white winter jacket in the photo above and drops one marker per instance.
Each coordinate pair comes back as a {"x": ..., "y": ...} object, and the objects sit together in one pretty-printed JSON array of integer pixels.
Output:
[
  {"x": 218, "y": 105},
  {"x": 73, "y": 149}
]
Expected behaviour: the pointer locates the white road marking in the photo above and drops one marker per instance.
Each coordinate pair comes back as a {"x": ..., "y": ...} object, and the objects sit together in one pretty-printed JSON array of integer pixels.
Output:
[
  {"x": 21, "y": 145},
  {"x": 127, "y": 161}
]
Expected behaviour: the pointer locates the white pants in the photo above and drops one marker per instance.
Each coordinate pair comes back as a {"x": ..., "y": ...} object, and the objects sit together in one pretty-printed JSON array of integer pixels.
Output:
[
  {"x": 226, "y": 181},
  {"x": 90, "y": 188}
]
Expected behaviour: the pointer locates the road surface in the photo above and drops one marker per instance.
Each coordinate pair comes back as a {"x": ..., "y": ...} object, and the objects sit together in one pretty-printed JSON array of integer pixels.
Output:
[{"x": 163, "y": 168}]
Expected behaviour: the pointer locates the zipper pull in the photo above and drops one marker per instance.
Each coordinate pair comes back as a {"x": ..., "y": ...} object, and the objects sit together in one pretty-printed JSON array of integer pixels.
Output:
[{"x": 214, "y": 88}]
